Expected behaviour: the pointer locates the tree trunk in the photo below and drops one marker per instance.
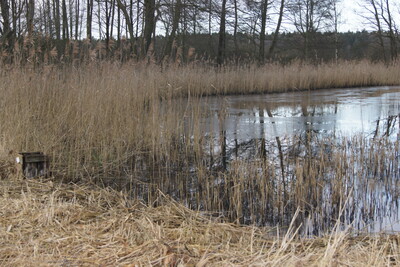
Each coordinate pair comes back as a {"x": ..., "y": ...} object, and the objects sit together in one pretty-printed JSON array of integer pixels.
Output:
[
  {"x": 149, "y": 9},
  {"x": 137, "y": 17},
  {"x": 7, "y": 35},
  {"x": 210, "y": 24},
  {"x": 308, "y": 29},
  {"x": 184, "y": 31},
  {"x": 119, "y": 23},
  {"x": 175, "y": 24},
  {"x": 89, "y": 15},
  {"x": 378, "y": 24},
  {"x": 264, "y": 7},
  {"x": 128, "y": 20},
  {"x": 112, "y": 18},
  {"x": 5, "y": 13},
  {"x": 390, "y": 24},
  {"x": 336, "y": 18},
  {"x": 222, "y": 35},
  {"x": 71, "y": 20},
  {"x": 30, "y": 15},
  {"x": 108, "y": 18},
  {"x": 14, "y": 17},
  {"x": 77, "y": 7},
  {"x": 65, "y": 20},
  {"x": 278, "y": 27},
  {"x": 235, "y": 28},
  {"x": 57, "y": 21},
  {"x": 43, "y": 15},
  {"x": 49, "y": 19},
  {"x": 99, "y": 18}
]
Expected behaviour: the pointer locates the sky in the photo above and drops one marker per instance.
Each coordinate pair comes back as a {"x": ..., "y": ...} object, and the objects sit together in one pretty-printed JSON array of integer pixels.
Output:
[
  {"x": 351, "y": 17},
  {"x": 351, "y": 20},
  {"x": 352, "y": 12}
]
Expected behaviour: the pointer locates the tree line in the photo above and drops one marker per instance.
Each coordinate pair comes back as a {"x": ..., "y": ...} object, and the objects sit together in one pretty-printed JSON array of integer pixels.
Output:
[{"x": 171, "y": 30}]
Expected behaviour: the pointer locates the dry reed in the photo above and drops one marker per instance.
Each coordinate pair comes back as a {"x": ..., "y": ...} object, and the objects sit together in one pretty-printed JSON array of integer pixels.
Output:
[
  {"x": 44, "y": 223},
  {"x": 137, "y": 128}
]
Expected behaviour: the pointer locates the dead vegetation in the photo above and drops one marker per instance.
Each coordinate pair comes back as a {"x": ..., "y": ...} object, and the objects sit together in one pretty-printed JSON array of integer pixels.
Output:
[
  {"x": 137, "y": 127},
  {"x": 44, "y": 223}
]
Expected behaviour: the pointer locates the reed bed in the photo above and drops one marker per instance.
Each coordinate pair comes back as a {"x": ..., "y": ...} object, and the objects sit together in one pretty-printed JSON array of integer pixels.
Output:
[
  {"x": 47, "y": 223},
  {"x": 98, "y": 117},
  {"x": 138, "y": 128},
  {"x": 350, "y": 181}
]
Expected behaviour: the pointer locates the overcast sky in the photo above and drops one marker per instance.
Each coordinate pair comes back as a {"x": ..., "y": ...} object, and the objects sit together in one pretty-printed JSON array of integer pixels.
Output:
[
  {"x": 352, "y": 11},
  {"x": 351, "y": 19}
]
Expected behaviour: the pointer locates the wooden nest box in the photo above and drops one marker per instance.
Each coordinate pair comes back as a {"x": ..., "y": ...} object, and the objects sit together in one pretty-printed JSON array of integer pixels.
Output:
[{"x": 34, "y": 164}]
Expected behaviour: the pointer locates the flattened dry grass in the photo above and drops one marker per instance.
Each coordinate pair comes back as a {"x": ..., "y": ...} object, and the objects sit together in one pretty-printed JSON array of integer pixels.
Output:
[{"x": 43, "y": 223}]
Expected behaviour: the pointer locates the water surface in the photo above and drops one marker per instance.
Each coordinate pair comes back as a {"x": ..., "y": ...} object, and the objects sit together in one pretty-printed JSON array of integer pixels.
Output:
[
  {"x": 341, "y": 111},
  {"x": 240, "y": 126}
]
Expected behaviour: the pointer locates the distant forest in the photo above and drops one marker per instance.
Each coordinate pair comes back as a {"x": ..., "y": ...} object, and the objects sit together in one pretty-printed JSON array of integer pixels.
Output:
[
  {"x": 289, "y": 47},
  {"x": 182, "y": 31}
]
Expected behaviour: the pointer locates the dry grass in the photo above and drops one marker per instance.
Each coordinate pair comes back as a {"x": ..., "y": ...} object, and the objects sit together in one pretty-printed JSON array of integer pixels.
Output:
[
  {"x": 94, "y": 119},
  {"x": 126, "y": 126},
  {"x": 137, "y": 127},
  {"x": 44, "y": 223}
]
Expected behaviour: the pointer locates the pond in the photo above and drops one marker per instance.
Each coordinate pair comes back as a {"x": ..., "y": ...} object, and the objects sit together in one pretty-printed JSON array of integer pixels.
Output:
[
  {"x": 369, "y": 111},
  {"x": 320, "y": 160},
  {"x": 333, "y": 154}
]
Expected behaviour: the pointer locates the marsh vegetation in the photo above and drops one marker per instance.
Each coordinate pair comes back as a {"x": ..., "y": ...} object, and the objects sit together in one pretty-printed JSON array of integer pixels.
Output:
[
  {"x": 47, "y": 223},
  {"x": 141, "y": 129},
  {"x": 192, "y": 133},
  {"x": 160, "y": 137}
]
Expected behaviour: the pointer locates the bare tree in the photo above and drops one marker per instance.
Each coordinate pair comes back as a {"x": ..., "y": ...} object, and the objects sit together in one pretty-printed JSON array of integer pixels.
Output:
[
  {"x": 277, "y": 29},
  {"x": 5, "y": 14},
  {"x": 177, "y": 7},
  {"x": 71, "y": 17},
  {"x": 77, "y": 20},
  {"x": 386, "y": 14},
  {"x": 149, "y": 24},
  {"x": 65, "y": 33},
  {"x": 235, "y": 27},
  {"x": 56, "y": 15},
  {"x": 128, "y": 18},
  {"x": 89, "y": 18},
  {"x": 336, "y": 16},
  {"x": 309, "y": 17},
  {"x": 264, "y": 8},
  {"x": 30, "y": 16},
  {"x": 222, "y": 35},
  {"x": 372, "y": 8},
  {"x": 107, "y": 14}
]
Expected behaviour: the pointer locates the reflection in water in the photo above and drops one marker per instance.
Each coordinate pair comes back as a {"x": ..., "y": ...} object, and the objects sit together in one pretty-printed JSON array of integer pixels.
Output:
[
  {"x": 355, "y": 131},
  {"x": 327, "y": 111}
]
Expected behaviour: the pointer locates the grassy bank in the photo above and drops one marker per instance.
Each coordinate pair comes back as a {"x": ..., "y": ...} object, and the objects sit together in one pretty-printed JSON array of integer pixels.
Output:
[{"x": 44, "y": 223}]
